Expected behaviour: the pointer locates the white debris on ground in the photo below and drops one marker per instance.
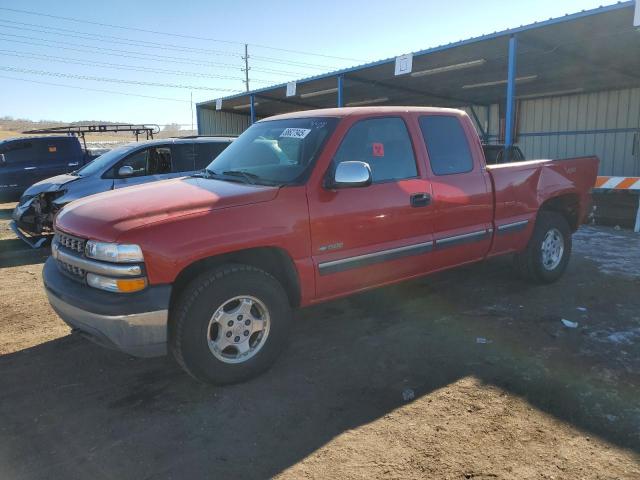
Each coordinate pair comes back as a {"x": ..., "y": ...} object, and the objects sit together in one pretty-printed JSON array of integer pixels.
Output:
[
  {"x": 615, "y": 252},
  {"x": 621, "y": 337},
  {"x": 569, "y": 323}
]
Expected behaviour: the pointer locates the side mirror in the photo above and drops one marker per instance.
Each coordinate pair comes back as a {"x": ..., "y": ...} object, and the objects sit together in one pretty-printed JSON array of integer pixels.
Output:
[
  {"x": 125, "y": 171},
  {"x": 3, "y": 161},
  {"x": 350, "y": 175}
]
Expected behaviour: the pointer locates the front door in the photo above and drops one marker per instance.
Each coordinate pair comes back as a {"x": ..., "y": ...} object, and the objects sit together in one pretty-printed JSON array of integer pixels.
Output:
[{"x": 368, "y": 236}]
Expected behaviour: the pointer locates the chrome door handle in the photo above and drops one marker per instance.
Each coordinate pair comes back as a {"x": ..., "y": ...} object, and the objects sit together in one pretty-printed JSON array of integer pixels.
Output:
[
  {"x": 30, "y": 168},
  {"x": 72, "y": 164},
  {"x": 420, "y": 199}
]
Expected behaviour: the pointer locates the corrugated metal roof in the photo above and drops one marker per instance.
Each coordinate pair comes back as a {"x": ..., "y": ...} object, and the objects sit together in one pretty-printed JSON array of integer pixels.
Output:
[{"x": 583, "y": 51}]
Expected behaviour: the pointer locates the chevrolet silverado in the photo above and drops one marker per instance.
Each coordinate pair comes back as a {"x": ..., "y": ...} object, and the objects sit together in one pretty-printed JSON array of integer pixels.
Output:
[{"x": 300, "y": 209}]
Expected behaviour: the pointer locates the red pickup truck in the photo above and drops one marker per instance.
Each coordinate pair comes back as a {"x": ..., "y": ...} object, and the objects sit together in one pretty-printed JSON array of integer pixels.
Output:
[{"x": 302, "y": 208}]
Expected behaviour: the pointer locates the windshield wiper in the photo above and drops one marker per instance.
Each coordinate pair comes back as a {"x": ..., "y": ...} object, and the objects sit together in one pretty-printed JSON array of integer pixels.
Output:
[
  {"x": 231, "y": 177},
  {"x": 239, "y": 176},
  {"x": 249, "y": 177}
]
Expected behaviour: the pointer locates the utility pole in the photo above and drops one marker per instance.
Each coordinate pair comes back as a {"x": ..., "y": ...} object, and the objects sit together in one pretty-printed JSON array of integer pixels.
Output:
[
  {"x": 246, "y": 66},
  {"x": 191, "y": 110}
]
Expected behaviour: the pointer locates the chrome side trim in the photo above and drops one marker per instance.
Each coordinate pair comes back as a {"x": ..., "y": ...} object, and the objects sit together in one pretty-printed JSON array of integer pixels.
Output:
[
  {"x": 512, "y": 227},
  {"x": 464, "y": 238},
  {"x": 373, "y": 258},
  {"x": 101, "y": 268}
]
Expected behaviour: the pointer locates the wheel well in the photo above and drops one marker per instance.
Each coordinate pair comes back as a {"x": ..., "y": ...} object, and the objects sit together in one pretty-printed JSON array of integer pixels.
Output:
[
  {"x": 270, "y": 259},
  {"x": 567, "y": 205}
]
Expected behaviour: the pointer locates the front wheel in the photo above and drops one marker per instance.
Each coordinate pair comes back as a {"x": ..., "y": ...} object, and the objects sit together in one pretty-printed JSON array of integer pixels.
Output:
[
  {"x": 230, "y": 324},
  {"x": 546, "y": 257}
]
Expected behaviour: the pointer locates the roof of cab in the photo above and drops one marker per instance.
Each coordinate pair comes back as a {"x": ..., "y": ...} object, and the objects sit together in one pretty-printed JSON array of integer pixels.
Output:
[
  {"x": 362, "y": 111},
  {"x": 36, "y": 138}
]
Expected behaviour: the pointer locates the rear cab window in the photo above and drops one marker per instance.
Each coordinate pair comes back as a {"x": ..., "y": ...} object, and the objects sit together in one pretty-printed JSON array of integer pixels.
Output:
[
  {"x": 384, "y": 144},
  {"x": 447, "y": 144}
]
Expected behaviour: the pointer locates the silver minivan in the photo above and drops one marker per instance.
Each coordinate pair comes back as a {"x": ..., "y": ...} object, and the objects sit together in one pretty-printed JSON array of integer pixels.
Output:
[{"x": 121, "y": 167}]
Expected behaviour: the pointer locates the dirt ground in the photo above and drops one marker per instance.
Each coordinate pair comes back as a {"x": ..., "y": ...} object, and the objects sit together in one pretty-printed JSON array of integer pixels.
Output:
[{"x": 502, "y": 388}]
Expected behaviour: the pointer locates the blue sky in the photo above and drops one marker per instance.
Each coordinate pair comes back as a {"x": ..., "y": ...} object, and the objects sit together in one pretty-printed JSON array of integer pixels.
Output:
[{"x": 49, "y": 50}]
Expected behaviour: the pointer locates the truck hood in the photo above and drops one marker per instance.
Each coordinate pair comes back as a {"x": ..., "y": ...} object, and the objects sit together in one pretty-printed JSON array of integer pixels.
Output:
[
  {"x": 107, "y": 215},
  {"x": 50, "y": 184}
]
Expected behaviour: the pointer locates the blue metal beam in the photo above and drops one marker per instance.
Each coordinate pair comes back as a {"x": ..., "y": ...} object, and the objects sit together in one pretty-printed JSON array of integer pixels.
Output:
[
  {"x": 340, "y": 93},
  {"x": 252, "y": 102},
  {"x": 511, "y": 93}
]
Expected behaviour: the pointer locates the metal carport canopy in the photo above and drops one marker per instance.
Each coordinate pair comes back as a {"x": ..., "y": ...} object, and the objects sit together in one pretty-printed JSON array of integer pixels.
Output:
[{"x": 587, "y": 51}]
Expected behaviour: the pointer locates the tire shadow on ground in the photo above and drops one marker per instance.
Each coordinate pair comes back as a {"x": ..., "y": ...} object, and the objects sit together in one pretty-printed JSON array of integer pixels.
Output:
[{"x": 72, "y": 409}]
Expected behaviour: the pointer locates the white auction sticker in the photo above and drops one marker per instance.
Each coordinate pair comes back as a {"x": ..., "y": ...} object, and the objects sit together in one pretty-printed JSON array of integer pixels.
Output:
[{"x": 295, "y": 132}]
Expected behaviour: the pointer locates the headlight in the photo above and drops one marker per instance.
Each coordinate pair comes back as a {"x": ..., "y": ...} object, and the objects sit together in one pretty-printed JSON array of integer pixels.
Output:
[
  {"x": 113, "y": 252},
  {"x": 119, "y": 285}
]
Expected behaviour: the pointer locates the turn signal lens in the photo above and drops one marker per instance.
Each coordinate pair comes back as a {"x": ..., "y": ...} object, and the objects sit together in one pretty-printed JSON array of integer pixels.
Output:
[
  {"x": 128, "y": 285},
  {"x": 118, "y": 285}
]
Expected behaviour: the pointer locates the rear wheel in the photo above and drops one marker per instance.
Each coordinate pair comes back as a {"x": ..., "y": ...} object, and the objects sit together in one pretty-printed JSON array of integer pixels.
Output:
[
  {"x": 547, "y": 254},
  {"x": 230, "y": 324}
]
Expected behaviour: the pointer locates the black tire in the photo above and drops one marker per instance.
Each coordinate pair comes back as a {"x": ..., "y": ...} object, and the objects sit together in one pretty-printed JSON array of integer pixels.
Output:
[
  {"x": 529, "y": 263},
  {"x": 198, "y": 302}
]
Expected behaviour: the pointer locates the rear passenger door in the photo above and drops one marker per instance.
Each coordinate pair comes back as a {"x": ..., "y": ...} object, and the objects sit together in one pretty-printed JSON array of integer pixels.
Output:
[
  {"x": 462, "y": 193},
  {"x": 367, "y": 236},
  {"x": 55, "y": 155}
]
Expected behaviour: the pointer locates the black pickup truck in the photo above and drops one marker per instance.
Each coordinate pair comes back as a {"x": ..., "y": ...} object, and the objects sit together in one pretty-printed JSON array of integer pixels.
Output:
[{"x": 27, "y": 160}]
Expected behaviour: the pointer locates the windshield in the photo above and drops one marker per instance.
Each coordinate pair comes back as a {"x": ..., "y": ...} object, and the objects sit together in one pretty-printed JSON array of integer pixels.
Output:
[
  {"x": 104, "y": 161},
  {"x": 275, "y": 152}
]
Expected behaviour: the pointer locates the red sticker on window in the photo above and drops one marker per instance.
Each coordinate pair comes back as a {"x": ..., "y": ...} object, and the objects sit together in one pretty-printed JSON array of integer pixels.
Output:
[{"x": 378, "y": 149}]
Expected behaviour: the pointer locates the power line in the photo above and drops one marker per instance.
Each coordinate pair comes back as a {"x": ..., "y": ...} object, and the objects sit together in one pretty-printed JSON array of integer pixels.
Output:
[
  {"x": 114, "y": 80},
  {"x": 136, "y": 43},
  {"x": 122, "y": 41},
  {"x": 177, "y": 35},
  {"x": 139, "y": 55},
  {"x": 93, "y": 89},
  {"x": 60, "y": 42},
  {"x": 73, "y": 61}
]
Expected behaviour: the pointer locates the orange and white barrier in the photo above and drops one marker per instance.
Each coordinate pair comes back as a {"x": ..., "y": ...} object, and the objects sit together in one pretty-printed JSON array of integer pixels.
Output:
[
  {"x": 618, "y": 183},
  {"x": 631, "y": 184}
]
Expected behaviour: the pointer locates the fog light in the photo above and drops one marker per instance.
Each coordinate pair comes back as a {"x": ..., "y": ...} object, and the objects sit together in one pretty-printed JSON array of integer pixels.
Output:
[{"x": 119, "y": 285}]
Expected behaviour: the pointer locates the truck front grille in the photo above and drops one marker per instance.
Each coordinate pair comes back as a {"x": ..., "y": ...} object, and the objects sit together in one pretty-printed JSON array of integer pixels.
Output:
[
  {"x": 72, "y": 270},
  {"x": 72, "y": 243}
]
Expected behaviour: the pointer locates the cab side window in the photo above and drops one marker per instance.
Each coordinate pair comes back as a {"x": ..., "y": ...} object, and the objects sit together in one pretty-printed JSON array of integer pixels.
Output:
[
  {"x": 183, "y": 157},
  {"x": 137, "y": 161},
  {"x": 384, "y": 144},
  {"x": 150, "y": 161},
  {"x": 446, "y": 144},
  {"x": 16, "y": 152},
  {"x": 206, "y": 152}
]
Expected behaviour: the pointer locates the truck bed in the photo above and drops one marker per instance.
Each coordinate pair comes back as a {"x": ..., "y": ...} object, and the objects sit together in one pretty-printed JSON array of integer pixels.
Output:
[{"x": 520, "y": 188}]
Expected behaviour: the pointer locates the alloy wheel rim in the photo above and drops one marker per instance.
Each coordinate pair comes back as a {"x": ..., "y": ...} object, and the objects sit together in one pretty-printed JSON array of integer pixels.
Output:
[
  {"x": 238, "y": 329},
  {"x": 552, "y": 249}
]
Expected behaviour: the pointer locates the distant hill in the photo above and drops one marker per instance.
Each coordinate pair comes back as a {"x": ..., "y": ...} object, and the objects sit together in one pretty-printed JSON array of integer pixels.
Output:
[{"x": 12, "y": 127}]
